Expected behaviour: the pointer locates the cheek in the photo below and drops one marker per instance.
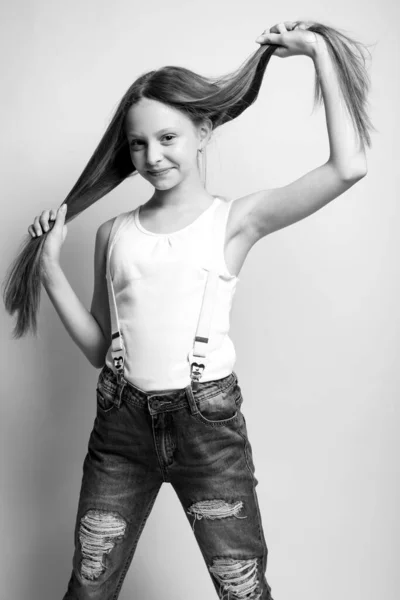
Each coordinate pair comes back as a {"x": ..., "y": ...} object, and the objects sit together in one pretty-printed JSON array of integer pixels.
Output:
[
  {"x": 134, "y": 157},
  {"x": 138, "y": 160},
  {"x": 185, "y": 155},
  {"x": 182, "y": 155}
]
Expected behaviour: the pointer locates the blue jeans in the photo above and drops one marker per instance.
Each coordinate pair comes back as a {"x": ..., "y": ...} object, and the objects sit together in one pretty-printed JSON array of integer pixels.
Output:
[{"x": 195, "y": 440}]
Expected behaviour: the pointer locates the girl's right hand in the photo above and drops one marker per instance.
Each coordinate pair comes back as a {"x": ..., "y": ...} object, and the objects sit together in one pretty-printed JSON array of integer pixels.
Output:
[{"x": 56, "y": 237}]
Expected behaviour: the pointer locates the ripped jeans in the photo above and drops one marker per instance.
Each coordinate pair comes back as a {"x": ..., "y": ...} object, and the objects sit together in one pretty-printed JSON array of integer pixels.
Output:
[{"x": 196, "y": 441}]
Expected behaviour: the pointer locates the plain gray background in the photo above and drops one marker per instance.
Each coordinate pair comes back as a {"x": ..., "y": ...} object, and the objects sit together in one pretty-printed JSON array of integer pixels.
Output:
[{"x": 315, "y": 320}]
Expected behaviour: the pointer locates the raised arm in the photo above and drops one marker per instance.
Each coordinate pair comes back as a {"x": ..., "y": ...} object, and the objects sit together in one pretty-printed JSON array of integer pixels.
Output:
[{"x": 266, "y": 211}]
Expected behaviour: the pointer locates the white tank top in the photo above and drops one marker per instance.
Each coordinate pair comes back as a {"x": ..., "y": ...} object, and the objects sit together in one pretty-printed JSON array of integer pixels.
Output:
[{"x": 159, "y": 282}]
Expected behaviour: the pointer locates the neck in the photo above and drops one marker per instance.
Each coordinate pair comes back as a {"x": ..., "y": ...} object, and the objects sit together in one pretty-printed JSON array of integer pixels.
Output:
[{"x": 186, "y": 195}]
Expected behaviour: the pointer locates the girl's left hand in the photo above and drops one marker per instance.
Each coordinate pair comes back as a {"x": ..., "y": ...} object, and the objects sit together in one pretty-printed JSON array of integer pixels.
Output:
[{"x": 292, "y": 38}]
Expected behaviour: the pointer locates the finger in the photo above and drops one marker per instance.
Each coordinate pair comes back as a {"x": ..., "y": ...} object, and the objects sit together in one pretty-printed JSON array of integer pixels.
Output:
[
  {"x": 37, "y": 227},
  {"x": 44, "y": 219},
  {"x": 278, "y": 28},
  {"x": 300, "y": 25},
  {"x": 52, "y": 218},
  {"x": 60, "y": 218},
  {"x": 31, "y": 231},
  {"x": 270, "y": 38}
]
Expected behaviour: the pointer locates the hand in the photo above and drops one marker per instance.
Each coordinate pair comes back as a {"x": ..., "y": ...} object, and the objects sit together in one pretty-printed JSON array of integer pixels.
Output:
[
  {"x": 56, "y": 237},
  {"x": 291, "y": 38}
]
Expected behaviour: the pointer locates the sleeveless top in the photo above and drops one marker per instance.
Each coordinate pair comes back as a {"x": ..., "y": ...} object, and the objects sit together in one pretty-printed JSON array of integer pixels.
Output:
[{"x": 159, "y": 281}]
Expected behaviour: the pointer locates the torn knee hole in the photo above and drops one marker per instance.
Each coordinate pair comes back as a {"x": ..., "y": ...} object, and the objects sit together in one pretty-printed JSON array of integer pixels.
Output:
[
  {"x": 237, "y": 578},
  {"x": 98, "y": 532},
  {"x": 215, "y": 509}
]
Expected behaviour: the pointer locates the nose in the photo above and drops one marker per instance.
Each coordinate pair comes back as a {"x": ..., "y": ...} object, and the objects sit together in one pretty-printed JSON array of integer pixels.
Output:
[{"x": 153, "y": 155}]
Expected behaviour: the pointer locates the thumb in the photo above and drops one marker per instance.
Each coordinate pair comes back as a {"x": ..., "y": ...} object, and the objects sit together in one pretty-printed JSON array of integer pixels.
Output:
[{"x": 60, "y": 217}]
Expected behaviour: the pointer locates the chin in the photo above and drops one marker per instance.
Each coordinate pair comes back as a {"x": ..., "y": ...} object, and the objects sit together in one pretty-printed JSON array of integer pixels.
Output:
[{"x": 165, "y": 183}]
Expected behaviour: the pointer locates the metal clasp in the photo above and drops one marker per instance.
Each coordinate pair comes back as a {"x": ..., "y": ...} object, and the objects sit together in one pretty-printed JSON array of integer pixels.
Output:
[
  {"x": 118, "y": 360},
  {"x": 197, "y": 365}
]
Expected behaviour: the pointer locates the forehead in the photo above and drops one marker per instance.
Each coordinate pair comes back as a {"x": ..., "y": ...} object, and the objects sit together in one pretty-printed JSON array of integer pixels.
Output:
[{"x": 147, "y": 117}]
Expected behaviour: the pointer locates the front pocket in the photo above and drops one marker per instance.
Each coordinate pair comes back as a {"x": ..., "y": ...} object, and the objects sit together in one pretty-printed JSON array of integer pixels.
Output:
[
  {"x": 221, "y": 408},
  {"x": 105, "y": 400}
]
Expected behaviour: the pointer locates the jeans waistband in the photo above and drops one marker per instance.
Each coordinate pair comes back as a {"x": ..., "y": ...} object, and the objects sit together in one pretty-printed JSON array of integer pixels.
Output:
[{"x": 159, "y": 399}]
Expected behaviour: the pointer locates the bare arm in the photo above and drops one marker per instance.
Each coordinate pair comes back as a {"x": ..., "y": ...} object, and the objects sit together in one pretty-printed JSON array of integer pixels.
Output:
[
  {"x": 89, "y": 330},
  {"x": 266, "y": 211}
]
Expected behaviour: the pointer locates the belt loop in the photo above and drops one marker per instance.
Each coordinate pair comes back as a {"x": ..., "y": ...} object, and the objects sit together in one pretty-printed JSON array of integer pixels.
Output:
[
  {"x": 121, "y": 383},
  {"x": 191, "y": 400}
]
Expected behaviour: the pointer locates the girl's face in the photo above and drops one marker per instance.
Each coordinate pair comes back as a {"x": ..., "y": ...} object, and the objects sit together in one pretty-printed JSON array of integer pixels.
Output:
[{"x": 162, "y": 138}]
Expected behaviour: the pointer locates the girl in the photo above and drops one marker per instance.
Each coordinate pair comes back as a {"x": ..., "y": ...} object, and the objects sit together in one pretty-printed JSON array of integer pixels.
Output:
[{"x": 169, "y": 404}]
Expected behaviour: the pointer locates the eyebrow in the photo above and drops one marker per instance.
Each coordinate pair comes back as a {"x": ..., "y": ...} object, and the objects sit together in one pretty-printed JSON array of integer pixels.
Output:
[{"x": 158, "y": 132}]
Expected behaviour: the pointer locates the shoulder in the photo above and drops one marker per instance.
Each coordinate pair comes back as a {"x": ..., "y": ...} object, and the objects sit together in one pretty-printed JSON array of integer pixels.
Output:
[
  {"x": 103, "y": 236},
  {"x": 104, "y": 230}
]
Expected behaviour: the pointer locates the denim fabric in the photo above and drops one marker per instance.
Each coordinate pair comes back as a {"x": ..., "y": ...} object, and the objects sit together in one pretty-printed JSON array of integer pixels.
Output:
[{"x": 196, "y": 441}]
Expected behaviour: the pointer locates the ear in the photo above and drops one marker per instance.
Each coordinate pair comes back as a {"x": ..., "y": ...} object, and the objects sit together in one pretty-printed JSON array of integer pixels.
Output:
[{"x": 205, "y": 130}]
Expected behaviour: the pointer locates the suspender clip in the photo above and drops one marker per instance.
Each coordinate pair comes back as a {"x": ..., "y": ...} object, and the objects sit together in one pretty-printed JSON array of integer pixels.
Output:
[
  {"x": 197, "y": 365},
  {"x": 118, "y": 357}
]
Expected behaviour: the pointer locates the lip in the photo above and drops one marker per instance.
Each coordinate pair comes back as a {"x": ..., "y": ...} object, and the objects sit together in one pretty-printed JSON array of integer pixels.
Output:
[{"x": 160, "y": 171}]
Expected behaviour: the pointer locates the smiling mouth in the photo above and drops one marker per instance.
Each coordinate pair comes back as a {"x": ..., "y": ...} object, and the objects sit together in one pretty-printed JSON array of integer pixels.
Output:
[{"x": 159, "y": 172}]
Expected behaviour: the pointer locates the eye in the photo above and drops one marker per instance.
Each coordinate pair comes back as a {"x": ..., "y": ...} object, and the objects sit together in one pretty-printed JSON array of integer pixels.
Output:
[
  {"x": 133, "y": 142},
  {"x": 170, "y": 137}
]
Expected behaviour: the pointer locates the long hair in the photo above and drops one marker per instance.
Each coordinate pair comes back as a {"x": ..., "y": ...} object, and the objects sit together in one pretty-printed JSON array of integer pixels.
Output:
[{"x": 219, "y": 99}]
